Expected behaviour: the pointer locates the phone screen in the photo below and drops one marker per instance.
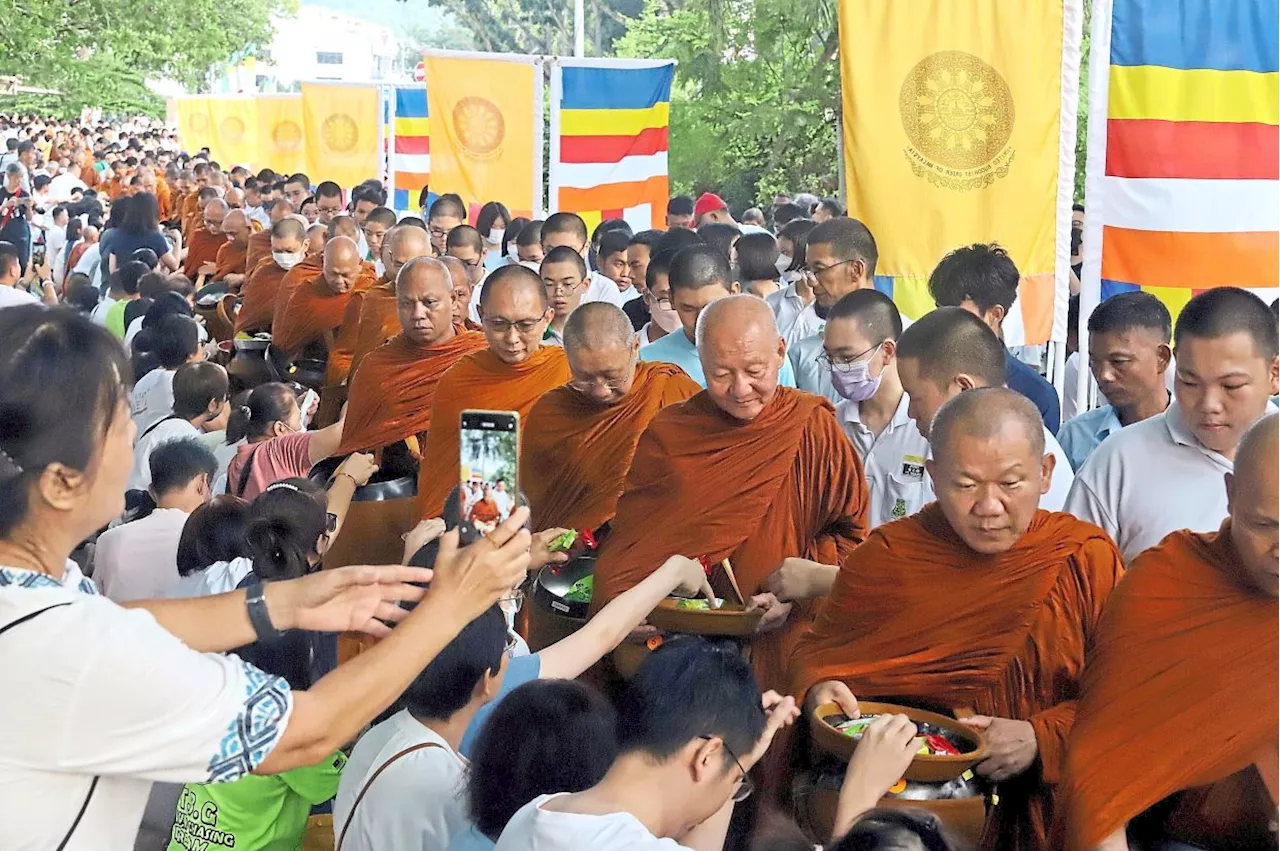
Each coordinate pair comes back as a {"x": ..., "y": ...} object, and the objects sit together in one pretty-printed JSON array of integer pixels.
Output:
[{"x": 489, "y": 460}]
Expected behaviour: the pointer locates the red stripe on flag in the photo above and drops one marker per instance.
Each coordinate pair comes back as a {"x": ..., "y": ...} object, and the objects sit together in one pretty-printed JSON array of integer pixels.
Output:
[
  {"x": 611, "y": 149},
  {"x": 1193, "y": 149},
  {"x": 605, "y": 215},
  {"x": 413, "y": 144}
]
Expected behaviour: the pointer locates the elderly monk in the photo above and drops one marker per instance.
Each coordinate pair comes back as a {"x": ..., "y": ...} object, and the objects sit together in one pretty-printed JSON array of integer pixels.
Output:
[
  {"x": 233, "y": 255},
  {"x": 980, "y": 601},
  {"x": 203, "y": 245},
  {"x": 462, "y": 292},
  {"x": 580, "y": 437},
  {"x": 745, "y": 470},
  {"x": 313, "y": 315},
  {"x": 261, "y": 291},
  {"x": 394, "y": 387},
  {"x": 234, "y": 196},
  {"x": 375, "y": 316},
  {"x": 317, "y": 236},
  {"x": 260, "y": 241},
  {"x": 511, "y": 374},
  {"x": 1178, "y": 702}
]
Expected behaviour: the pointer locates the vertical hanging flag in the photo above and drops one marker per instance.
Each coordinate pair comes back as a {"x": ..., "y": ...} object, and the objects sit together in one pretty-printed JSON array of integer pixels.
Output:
[
  {"x": 340, "y": 124},
  {"x": 234, "y": 121},
  {"x": 280, "y": 135},
  {"x": 411, "y": 148},
  {"x": 195, "y": 127},
  {"x": 609, "y": 122},
  {"x": 959, "y": 127},
  {"x": 1182, "y": 186},
  {"x": 486, "y": 127}
]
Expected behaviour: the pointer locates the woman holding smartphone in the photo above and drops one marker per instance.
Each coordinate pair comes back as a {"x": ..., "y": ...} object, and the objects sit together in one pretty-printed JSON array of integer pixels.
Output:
[{"x": 15, "y": 208}]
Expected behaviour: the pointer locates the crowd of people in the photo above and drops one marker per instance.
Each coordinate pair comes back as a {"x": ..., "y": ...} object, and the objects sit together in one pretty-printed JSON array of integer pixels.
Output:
[{"x": 204, "y": 367}]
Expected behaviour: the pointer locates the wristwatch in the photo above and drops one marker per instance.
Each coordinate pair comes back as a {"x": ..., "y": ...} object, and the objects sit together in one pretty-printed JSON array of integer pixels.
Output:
[{"x": 256, "y": 602}]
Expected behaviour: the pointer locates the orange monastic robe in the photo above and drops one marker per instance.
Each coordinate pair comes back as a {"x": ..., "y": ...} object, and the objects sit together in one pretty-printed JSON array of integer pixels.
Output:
[
  {"x": 577, "y": 452},
  {"x": 231, "y": 260},
  {"x": 89, "y": 175},
  {"x": 1180, "y": 692},
  {"x": 377, "y": 321},
  {"x": 259, "y": 248},
  {"x": 313, "y": 312},
  {"x": 484, "y": 511},
  {"x": 164, "y": 198},
  {"x": 190, "y": 214},
  {"x": 917, "y": 617},
  {"x": 202, "y": 247},
  {"x": 342, "y": 353},
  {"x": 113, "y": 188},
  {"x": 258, "y": 297},
  {"x": 480, "y": 380},
  {"x": 393, "y": 389},
  {"x": 788, "y": 483}
]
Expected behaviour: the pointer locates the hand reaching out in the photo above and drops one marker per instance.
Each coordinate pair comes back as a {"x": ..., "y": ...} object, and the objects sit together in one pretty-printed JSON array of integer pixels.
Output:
[{"x": 1012, "y": 746}]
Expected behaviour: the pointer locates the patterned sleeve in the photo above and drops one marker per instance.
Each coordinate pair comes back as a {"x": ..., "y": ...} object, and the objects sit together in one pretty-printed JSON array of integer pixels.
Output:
[{"x": 256, "y": 728}]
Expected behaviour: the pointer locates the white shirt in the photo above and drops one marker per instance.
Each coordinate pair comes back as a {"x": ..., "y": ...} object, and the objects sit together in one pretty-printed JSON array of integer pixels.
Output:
[
  {"x": 812, "y": 374},
  {"x": 534, "y": 829},
  {"x": 151, "y": 399},
  {"x": 167, "y": 430},
  {"x": 60, "y": 187},
  {"x": 13, "y": 297},
  {"x": 1150, "y": 479},
  {"x": 107, "y": 691},
  {"x": 259, "y": 215},
  {"x": 88, "y": 262},
  {"x": 417, "y": 803},
  {"x": 218, "y": 578},
  {"x": 786, "y": 305},
  {"x": 893, "y": 461},
  {"x": 601, "y": 288},
  {"x": 139, "y": 560}
]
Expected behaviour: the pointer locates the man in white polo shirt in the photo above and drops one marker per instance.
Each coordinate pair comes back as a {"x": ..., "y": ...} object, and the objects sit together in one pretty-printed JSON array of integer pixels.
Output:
[{"x": 1164, "y": 473}]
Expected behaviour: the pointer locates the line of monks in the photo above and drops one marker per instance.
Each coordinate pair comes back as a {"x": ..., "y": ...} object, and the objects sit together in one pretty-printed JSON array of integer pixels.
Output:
[{"x": 1107, "y": 693}]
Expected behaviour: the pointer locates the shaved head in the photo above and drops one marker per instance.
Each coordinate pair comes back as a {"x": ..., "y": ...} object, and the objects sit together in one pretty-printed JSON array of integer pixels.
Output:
[
  {"x": 513, "y": 278},
  {"x": 1253, "y": 504},
  {"x": 742, "y": 353},
  {"x": 401, "y": 245},
  {"x": 424, "y": 301},
  {"x": 597, "y": 325},
  {"x": 234, "y": 198},
  {"x": 342, "y": 264},
  {"x": 344, "y": 225},
  {"x": 236, "y": 225},
  {"x": 984, "y": 413},
  {"x": 214, "y": 212},
  {"x": 602, "y": 350},
  {"x": 515, "y": 311},
  {"x": 289, "y": 228},
  {"x": 317, "y": 236},
  {"x": 280, "y": 208},
  {"x": 461, "y": 284}
]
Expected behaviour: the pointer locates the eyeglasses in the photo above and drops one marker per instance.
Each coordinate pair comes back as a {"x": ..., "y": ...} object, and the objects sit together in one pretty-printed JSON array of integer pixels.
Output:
[
  {"x": 614, "y": 384},
  {"x": 820, "y": 270},
  {"x": 745, "y": 786},
  {"x": 470, "y": 264},
  {"x": 557, "y": 286},
  {"x": 845, "y": 364},
  {"x": 522, "y": 326},
  {"x": 663, "y": 303}
]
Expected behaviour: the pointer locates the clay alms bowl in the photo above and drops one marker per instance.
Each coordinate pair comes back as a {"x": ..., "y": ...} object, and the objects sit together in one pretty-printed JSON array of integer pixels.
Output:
[
  {"x": 929, "y": 769},
  {"x": 731, "y": 619}
]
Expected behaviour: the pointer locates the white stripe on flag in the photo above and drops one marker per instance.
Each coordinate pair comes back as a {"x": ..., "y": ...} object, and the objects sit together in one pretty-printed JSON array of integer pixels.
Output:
[
  {"x": 588, "y": 175},
  {"x": 1191, "y": 206},
  {"x": 418, "y": 163},
  {"x": 639, "y": 217}
]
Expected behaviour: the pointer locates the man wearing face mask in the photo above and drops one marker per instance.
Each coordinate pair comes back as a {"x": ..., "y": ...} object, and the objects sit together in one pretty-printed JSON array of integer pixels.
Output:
[
  {"x": 263, "y": 285},
  {"x": 663, "y": 318},
  {"x": 260, "y": 242}
]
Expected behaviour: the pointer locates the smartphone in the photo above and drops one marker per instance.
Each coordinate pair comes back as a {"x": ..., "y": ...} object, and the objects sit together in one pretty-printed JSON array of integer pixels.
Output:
[{"x": 489, "y": 461}]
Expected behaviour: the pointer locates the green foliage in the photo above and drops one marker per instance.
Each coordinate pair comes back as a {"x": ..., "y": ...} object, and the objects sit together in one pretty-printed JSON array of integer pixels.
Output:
[
  {"x": 542, "y": 26},
  {"x": 758, "y": 89},
  {"x": 1082, "y": 117}
]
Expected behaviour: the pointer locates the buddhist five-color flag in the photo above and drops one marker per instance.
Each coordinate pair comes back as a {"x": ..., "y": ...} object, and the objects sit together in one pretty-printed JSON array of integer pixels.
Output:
[
  {"x": 411, "y": 148},
  {"x": 342, "y": 128},
  {"x": 1182, "y": 184},
  {"x": 959, "y": 127},
  {"x": 609, "y": 123}
]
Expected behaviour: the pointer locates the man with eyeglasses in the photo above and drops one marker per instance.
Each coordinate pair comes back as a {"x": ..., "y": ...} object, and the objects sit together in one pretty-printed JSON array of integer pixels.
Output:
[
  {"x": 564, "y": 273},
  {"x": 581, "y": 437},
  {"x": 329, "y": 202},
  {"x": 511, "y": 374},
  {"x": 446, "y": 213},
  {"x": 692, "y": 726}
]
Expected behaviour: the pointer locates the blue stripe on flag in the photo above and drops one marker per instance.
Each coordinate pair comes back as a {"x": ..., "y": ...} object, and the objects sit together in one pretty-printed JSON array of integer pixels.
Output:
[
  {"x": 1110, "y": 288},
  {"x": 1219, "y": 35},
  {"x": 616, "y": 88},
  {"x": 884, "y": 283},
  {"x": 411, "y": 101},
  {"x": 400, "y": 200}
]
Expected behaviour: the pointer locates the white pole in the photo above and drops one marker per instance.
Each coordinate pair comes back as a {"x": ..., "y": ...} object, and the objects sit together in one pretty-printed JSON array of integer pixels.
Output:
[{"x": 579, "y": 28}]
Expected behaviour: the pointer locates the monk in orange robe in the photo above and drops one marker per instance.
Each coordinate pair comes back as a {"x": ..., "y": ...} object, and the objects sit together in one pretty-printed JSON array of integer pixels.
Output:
[
  {"x": 375, "y": 316},
  {"x": 164, "y": 197},
  {"x": 259, "y": 246},
  {"x": 485, "y": 509},
  {"x": 511, "y": 374},
  {"x": 1179, "y": 699},
  {"x": 191, "y": 207},
  {"x": 461, "y": 291},
  {"x": 204, "y": 241},
  {"x": 981, "y": 601},
  {"x": 394, "y": 388},
  {"x": 262, "y": 288},
  {"x": 581, "y": 437},
  {"x": 117, "y": 184},
  {"x": 314, "y": 311},
  {"x": 745, "y": 470},
  {"x": 89, "y": 173},
  {"x": 233, "y": 254}
]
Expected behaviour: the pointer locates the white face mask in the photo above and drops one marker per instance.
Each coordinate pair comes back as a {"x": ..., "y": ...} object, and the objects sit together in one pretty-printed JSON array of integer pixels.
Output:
[
  {"x": 668, "y": 320},
  {"x": 496, "y": 235},
  {"x": 782, "y": 262},
  {"x": 531, "y": 264},
  {"x": 287, "y": 260},
  {"x": 513, "y": 254}
]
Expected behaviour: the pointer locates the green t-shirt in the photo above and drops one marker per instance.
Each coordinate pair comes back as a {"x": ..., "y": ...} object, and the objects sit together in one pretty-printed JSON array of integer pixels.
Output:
[
  {"x": 115, "y": 318},
  {"x": 254, "y": 813}
]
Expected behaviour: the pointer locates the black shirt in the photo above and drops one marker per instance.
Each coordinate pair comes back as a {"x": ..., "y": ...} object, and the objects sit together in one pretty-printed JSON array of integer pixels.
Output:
[{"x": 637, "y": 311}]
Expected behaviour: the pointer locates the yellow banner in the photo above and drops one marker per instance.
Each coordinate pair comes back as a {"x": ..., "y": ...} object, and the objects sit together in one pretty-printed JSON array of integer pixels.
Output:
[
  {"x": 195, "y": 127},
  {"x": 482, "y": 130},
  {"x": 951, "y": 127},
  {"x": 235, "y": 130},
  {"x": 281, "y": 145},
  {"x": 340, "y": 126}
]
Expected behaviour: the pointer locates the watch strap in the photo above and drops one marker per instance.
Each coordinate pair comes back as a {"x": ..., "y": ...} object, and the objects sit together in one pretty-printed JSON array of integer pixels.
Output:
[{"x": 256, "y": 603}]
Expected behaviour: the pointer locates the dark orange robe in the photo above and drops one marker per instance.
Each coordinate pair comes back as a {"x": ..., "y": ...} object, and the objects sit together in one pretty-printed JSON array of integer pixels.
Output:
[
  {"x": 77, "y": 251},
  {"x": 1180, "y": 692},
  {"x": 479, "y": 380},
  {"x": 577, "y": 452},
  {"x": 89, "y": 175},
  {"x": 175, "y": 208},
  {"x": 163, "y": 198},
  {"x": 311, "y": 267},
  {"x": 202, "y": 247},
  {"x": 377, "y": 322},
  {"x": 484, "y": 511},
  {"x": 113, "y": 188},
  {"x": 190, "y": 214},
  {"x": 259, "y": 248},
  {"x": 313, "y": 312},
  {"x": 231, "y": 260},
  {"x": 258, "y": 297},
  {"x": 788, "y": 483},
  {"x": 344, "y": 344},
  {"x": 915, "y": 616},
  {"x": 393, "y": 390}
]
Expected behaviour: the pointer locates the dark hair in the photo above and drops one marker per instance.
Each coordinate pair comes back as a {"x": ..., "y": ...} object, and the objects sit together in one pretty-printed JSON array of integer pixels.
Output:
[
  {"x": 874, "y": 312},
  {"x": 1077, "y": 208},
  {"x": 607, "y": 226},
  {"x": 195, "y": 386},
  {"x": 699, "y": 266},
  {"x": 450, "y": 204},
  {"x": 385, "y": 215},
  {"x": 798, "y": 231},
  {"x": 613, "y": 242},
  {"x": 267, "y": 403},
  {"x": 758, "y": 257},
  {"x": 285, "y": 522},
  {"x": 214, "y": 532},
  {"x": 489, "y": 214},
  {"x": 530, "y": 234},
  {"x": 784, "y": 214},
  {"x": 145, "y": 256},
  {"x": 680, "y": 205},
  {"x": 722, "y": 235},
  {"x": 238, "y": 421},
  {"x": 648, "y": 238},
  {"x": 43, "y": 348},
  {"x": 328, "y": 189},
  {"x": 1126, "y": 311},
  {"x": 849, "y": 239},
  {"x": 832, "y": 206},
  {"x": 570, "y": 223},
  {"x": 412, "y": 222},
  {"x": 677, "y": 238},
  {"x": 40, "y": 181},
  {"x": 659, "y": 264},
  {"x": 1228, "y": 310},
  {"x": 59, "y": 208},
  {"x": 447, "y": 683},
  {"x": 951, "y": 340},
  {"x": 515, "y": 227},
  {"x": 130, "y": 276},
  {"x": 164, "y": 344},
  {"x": 299, "y": 178},
  {"x": 567, "y": 742},
  {"x": 984, "y": 274},
  {"x": 9, "y": 255},
  {"x": 565, "y": 254},
  {"x": 884, "y": 829},
  {"x": 175, "y": 463},
  {"x": 152, "y": 285},
  {"x": 689, "y": 688},
  {"x": 81, "y": 293},
  {"x": 142, "y": 216},
  {"x": 464, "y": 236}
]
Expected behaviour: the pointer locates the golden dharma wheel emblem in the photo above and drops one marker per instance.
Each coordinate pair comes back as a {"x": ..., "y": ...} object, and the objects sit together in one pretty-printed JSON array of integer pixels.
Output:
[
  {"x": 199, "y": 122},
  {"x": 956, "y": 110},
  {"x": 232, "y": 128},
  {"x": 340, "y": 133},
  {"x": 478, "y": 126},
  {"x": 286, "y": 135}
]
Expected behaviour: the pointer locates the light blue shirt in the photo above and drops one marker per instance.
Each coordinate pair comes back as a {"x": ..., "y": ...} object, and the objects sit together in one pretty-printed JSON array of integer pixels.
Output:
[
  {"x": 471, "y": 840},
  {"x": 1081, "y": 434},
  {"x": 675, "y": 348}
]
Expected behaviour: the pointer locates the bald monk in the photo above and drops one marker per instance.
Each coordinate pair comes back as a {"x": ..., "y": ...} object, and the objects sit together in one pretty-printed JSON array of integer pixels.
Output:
[
  {"x": 314, "y": 311},
  {"x": 259, "y": 246},
  {"x": 979, "y": 601},
  {"x": 745, "y": 470},
  {"x": 317, "y": 236},
  {"x": 462, "y": 290},
  {"x": 203, "y": 245},
  {"x": 375, "y": 315},
  {"x": 394, "y": 387},
  {"x": 233, "y": 254},
  {"x": 580, "y": 437},
  {"x": 234, "y": 196},
  {"x": 1179, "y": 699},
  {"x": 510, "y": 374},
  {"x": 190, "y": 207},
  {"x": 262, "y": 288}
]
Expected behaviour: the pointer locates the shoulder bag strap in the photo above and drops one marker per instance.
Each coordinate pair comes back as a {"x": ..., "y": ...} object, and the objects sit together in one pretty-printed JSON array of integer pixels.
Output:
[
  {"x": 247, "y": 471},
  {"x": 352, "y": 815},
  {"x": 157, "y": 425}
]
